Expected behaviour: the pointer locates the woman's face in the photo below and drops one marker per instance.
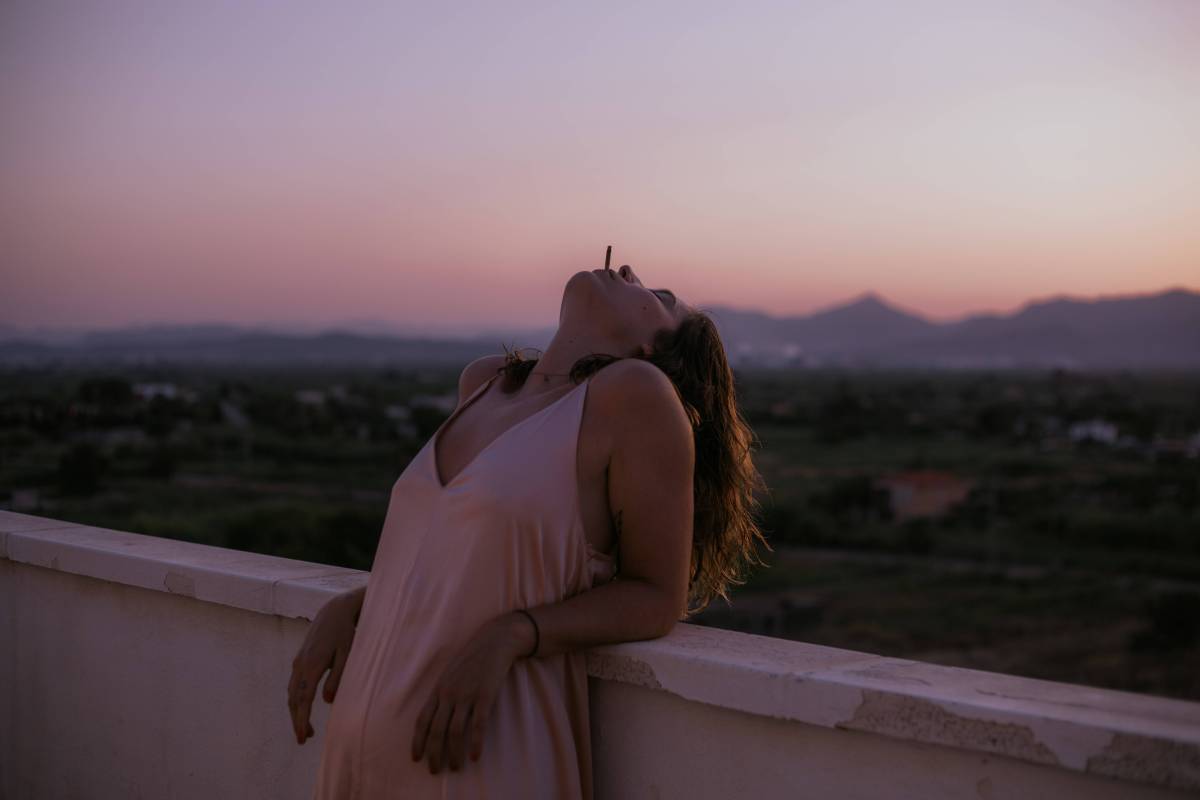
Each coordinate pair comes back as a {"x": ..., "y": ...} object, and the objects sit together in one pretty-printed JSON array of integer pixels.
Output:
[{"x": 621, "y": 307}]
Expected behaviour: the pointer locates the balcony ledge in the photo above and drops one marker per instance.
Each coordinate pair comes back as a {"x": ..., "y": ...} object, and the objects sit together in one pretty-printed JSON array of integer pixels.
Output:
[{"x": 1133, "y": 738}]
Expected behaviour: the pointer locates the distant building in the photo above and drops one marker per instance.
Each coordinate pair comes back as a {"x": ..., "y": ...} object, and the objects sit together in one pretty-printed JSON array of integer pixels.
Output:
[
  {"x": 924, "y": 493},
  {"x": 148, "y": 391},
  {"x": 1093, "y": 430}
]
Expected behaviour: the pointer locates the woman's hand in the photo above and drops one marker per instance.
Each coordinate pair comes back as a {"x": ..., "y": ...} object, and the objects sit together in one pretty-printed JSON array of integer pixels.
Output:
[
  {"x": 460, "y": 704},
  {"x": 326, "y": 647}
]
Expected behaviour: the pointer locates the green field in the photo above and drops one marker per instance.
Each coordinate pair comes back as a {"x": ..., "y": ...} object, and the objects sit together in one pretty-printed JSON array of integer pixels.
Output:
[{"x": 1069, "y": 559}]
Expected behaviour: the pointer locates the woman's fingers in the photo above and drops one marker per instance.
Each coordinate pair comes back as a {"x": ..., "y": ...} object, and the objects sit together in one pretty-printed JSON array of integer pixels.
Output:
[
  {"x": 421, "y": 729},
  {"x": 292, "y": 701},
  {"x": 436, "y": 745},
  {"x": 306, "y": 689},
  {"x": 335, "y": 674},
  {"x": 479, "y": 716},
  {"x": 441, "y": 732},
  {"x": 447, "y": 731},
  {"x": 293, "y": 679},
  {"x": 302, "y": 688},
  {"x": 455, "y": 736}
]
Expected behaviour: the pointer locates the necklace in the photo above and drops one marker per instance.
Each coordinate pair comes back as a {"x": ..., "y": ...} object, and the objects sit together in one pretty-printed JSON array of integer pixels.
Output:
[{"x": 547, "y": 375}]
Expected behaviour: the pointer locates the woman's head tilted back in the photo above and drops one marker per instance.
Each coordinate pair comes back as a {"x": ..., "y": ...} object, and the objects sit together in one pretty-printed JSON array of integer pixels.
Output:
[{"x": 683, "y": 342}]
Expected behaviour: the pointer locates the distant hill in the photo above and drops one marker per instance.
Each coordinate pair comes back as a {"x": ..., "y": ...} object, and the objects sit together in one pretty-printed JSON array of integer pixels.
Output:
[
  {"x": 1144, "y": 331},
  {"x": 1157, "y": 330},
  {"x": 837, "y": 332}
]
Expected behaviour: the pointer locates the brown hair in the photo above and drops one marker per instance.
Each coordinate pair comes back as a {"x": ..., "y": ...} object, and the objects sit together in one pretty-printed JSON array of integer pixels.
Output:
[{"x": 725, "y": 533}]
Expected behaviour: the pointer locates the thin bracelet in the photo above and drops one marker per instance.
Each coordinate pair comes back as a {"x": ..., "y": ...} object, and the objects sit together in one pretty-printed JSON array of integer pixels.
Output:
[{"x": 537, "y": 634}]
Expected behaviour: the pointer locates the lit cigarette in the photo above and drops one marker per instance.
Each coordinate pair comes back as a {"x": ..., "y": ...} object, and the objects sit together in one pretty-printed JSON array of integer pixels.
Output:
[{"x": 608, "y": 257}]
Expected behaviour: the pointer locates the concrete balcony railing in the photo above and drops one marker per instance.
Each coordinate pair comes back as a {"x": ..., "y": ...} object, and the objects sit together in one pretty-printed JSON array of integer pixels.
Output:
[{"x": 140, "y": 667}]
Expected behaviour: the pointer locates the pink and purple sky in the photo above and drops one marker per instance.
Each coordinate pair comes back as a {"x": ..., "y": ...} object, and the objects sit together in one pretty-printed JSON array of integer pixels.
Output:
[{"x": 451, "y": 166}]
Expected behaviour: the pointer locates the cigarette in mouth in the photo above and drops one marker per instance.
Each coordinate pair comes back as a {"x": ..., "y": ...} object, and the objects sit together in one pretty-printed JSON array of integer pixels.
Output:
[{"x": 608, "y": 257}]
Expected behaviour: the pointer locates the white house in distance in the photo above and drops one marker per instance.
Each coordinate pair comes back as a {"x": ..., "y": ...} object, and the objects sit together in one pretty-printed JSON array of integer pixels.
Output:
[
  {"x": 1093, "y": 430},
  {"x": 170, "y": 391}
]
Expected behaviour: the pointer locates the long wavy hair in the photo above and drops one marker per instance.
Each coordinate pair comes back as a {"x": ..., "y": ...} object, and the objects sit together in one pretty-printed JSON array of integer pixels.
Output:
[{"x": 726, "y": 533}]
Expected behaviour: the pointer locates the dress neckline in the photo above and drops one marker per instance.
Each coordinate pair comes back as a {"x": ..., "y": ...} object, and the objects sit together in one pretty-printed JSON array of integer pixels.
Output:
[{"x": 433, "y": 442}]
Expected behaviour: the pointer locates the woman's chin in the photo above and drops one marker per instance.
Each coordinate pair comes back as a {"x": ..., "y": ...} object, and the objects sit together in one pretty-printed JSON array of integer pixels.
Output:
[
  {"x": 585, "y": 295},
  {"x": 582, "y": 282},
  {"x": 583, "y": 275}
]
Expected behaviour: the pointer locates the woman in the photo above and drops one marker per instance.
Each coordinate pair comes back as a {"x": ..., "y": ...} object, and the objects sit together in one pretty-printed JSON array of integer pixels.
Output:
[{"x": 583, "y": 499}]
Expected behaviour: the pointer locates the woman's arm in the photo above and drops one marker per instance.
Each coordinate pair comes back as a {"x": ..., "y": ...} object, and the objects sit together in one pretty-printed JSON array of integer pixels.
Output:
[{"x": 650, "y": 497}]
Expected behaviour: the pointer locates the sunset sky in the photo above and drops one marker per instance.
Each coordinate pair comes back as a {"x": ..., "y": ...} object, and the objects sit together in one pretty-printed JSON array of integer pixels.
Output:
[{"x": 451, "y": 165}]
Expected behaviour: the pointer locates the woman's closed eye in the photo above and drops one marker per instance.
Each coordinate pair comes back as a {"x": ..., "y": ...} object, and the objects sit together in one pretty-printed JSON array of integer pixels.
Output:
[{"x": 663, "y": 295}]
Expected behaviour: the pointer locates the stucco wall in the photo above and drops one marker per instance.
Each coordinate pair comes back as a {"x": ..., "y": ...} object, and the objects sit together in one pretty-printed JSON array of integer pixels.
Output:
[
  {"x": 653, "y": 744},
  {"x": 113, "y": 691},
  {"x": 134, "y": 666}
]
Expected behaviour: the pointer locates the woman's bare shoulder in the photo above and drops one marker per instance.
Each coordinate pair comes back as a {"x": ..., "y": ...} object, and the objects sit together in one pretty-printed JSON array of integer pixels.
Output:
[
  {"x": 634, "y": 387},
  {"x": 630, "y": 374},
  {"x": 475, "y": 373}
]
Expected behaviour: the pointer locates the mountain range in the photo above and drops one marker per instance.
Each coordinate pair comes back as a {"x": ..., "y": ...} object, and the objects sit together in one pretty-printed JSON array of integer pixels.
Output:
[
  {"x": 1153, "y": 330},
  {"x": 1159, "y": 330}
]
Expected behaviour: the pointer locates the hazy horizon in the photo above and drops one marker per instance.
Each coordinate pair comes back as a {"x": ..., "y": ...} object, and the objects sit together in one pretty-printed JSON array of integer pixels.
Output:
[
  {"x": 284, "y": 165},
  {"x": 461, "y": 330}
]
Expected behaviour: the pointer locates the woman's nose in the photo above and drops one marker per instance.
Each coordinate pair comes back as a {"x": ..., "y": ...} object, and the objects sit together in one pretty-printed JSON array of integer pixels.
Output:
[{"x": 626, "y": 272}]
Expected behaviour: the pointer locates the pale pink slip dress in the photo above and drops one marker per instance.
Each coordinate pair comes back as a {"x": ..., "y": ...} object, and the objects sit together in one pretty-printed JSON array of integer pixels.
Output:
[{"x": 504, "y": 533}]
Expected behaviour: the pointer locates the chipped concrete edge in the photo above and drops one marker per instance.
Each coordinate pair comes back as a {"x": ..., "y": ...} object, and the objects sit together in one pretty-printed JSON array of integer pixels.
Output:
[
  {"x": 1157, "y": 742},
  {"x": 249, "y": 581},
  {"x": 1142, "y": 748}
]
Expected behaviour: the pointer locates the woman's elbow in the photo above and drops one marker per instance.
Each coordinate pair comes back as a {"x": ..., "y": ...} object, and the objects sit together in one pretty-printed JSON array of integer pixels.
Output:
[{"x": 671, "y": 613}]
